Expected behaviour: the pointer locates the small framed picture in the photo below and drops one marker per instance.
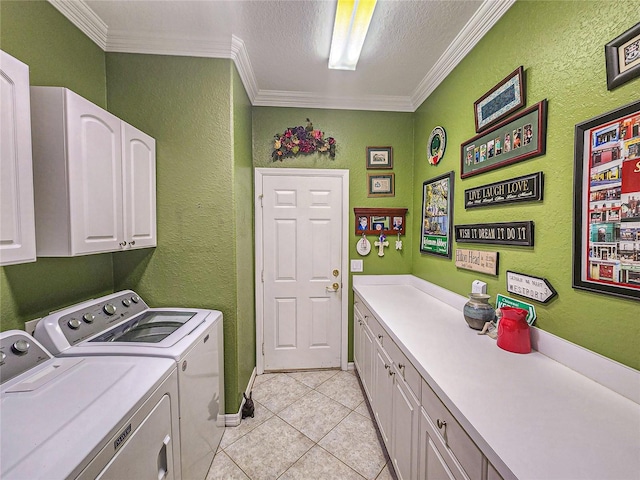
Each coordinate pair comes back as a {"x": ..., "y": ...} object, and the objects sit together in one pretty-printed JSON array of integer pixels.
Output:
[
  {"x": 381, "y": 185},
  {"x": 437, "y": 215},
  {"x": 379, "y": 157},
  {"x": 622, "y": 56},
  {"x": 502, "y": 100}
]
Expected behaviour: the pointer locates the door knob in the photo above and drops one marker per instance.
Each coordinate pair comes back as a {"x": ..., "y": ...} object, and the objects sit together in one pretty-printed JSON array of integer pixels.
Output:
[{"x": 333, "y": 288}]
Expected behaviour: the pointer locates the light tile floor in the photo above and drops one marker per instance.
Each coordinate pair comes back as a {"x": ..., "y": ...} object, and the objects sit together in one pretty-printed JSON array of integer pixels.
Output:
[{"x": 307, "y": 425}]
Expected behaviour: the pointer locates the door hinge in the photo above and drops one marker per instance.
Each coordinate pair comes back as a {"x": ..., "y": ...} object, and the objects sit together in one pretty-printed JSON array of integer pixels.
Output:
[
  {"x": 260, "y": 197},
  {"x": 262, "y": 348},
  {"x": 262, "y": 276}
]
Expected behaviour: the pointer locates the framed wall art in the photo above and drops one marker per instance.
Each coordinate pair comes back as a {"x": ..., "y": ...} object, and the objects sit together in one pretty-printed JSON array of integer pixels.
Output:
[
  {"x": 374, "y": 221},
  {"x": 622, "y": 57},
  {"x": 503, "y": 99},
  {"x": 606, "y": 243},
  {"x": 437, "y": 215},
  {"x": 436, "y": 145},
  {"x": 517, "y": 138},
  {"x": 380, "y": 185},
  {"x": 379, "y": 157}
]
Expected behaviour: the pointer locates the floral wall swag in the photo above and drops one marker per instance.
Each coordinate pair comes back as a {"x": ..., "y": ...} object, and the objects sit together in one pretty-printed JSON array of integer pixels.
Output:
[{"x": 301, "y": 139}]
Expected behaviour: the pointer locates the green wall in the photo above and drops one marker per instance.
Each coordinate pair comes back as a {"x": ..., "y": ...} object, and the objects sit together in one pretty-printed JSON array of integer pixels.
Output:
[
  {"x": 193, "y": 107},
  {"x": 244, "y": 232},
  {"x": 57, "y": 54},
  {"x": 354, "y": 131},
  {"x": 561, "y": 46}
]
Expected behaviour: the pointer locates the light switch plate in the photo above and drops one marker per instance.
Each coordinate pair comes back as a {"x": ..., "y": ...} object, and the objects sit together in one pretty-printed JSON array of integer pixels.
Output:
[
  {"x": 30, "y": 326},
  {"x": 357, "y": 266}
]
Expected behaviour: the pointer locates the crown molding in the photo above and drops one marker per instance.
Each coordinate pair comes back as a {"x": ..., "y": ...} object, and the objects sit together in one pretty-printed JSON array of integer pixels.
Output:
[
  {"x": 126, "y": 42},
  {"x": 240, "y": 57},
  {"x": 81, "y": 15},
  {"x": 385, "y": 103},
  {"x": 482, "y": 21}
]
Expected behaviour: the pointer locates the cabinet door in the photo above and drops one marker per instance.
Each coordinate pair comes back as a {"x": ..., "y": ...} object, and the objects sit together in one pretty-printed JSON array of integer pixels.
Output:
[
  {"x": 404, "y": 429},
  {"x": 382, "y": 393},
  {"x": 139, "y": 187},
  {"x": 357, "y": 341},
  {"x": 94, "y": 152},
  {"x": 17, "y": 223},
  {"x": 431, "y": 465},
  {"x": 368, "y": 349}
]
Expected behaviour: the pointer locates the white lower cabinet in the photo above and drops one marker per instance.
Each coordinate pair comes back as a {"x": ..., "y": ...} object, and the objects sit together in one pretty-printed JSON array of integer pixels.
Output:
[
  {"x": 423, "y": 439},
  {"x": 405, "y": 422}
]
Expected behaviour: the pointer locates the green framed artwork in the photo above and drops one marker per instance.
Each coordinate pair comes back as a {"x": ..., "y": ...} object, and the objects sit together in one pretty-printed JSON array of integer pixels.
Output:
[{"x": 519, "y": 137}]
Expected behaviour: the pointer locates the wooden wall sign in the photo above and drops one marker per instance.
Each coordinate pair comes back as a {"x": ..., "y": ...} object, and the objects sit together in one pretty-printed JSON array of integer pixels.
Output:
[
  {"x": 527, "y": 188},
  {"x": 477, "y": 260},
  {"x": 507, "y": 233},
  {"x": 538, "y": 289}
]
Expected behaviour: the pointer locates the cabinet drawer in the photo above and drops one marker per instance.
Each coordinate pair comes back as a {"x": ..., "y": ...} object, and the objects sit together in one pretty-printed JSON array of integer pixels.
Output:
[
  {"x": 404, "y": 366},
  {"x": 452, "y": 434}
]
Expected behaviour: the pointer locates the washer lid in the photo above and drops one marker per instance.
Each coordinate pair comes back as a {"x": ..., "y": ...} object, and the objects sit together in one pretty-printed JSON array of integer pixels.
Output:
[{"x": 54, "y": 423}]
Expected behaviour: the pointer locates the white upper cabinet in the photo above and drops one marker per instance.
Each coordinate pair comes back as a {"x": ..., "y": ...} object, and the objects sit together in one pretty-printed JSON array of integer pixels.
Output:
[
  {"x": 94, "y": 178},
  {"x": 17, "y": 227},
  {"x": 139, "y": 185}
]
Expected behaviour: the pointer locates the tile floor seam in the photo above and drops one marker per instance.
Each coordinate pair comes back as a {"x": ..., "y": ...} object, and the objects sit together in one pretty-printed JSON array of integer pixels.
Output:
[{"x": 348, "y": 466}]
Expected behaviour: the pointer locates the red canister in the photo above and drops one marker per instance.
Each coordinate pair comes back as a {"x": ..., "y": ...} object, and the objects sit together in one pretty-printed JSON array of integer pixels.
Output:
[{"x": 513, "y": 330}]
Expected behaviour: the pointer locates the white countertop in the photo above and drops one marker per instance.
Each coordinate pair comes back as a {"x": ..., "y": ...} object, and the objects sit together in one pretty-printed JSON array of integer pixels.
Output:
[{"x": 533, "y": 417}]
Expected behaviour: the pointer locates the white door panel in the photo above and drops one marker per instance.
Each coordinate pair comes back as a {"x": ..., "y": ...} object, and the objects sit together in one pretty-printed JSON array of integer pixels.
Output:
[{"x": 301, "y": 235}]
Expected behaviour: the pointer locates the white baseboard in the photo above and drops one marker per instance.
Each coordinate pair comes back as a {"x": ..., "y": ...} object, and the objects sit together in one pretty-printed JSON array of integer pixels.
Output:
[
  {"x": 351, "y": 366},
  {"x": 234, "y": 419}
]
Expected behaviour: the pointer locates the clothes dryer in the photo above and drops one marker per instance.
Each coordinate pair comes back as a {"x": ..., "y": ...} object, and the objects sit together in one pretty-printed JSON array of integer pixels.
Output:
[
  {"x": 108, "y": 417},
  {"x": 123, "y": 324}
]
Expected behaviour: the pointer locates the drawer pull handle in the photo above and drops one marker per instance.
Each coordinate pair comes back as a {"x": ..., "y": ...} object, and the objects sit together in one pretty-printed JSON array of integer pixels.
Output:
[
  {"x": 380, "y": 337},
  {"x": 391, "y": 373},
  {"x": 387, "y": 366},
  {"x": 401, "y": 366},
  {"x": 441, "y": 423}
]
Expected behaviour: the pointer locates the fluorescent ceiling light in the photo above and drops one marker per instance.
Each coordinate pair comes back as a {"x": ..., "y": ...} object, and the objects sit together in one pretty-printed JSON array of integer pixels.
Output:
[{"x": 349, "y": 31}]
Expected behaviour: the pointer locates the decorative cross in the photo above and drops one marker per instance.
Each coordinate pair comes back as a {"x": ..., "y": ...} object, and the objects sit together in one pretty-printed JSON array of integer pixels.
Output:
[
  {"x": 381, "y": 244},
  {"x": 398, "y": 243}
]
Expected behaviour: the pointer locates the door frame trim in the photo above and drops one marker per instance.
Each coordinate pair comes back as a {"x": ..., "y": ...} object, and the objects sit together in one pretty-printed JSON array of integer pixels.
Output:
[{"x": 259, "y": 174}]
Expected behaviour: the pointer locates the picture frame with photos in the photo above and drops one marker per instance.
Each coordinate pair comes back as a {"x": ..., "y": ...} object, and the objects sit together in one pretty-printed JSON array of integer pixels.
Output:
[
  {"x": 502, "y": 100},
  {"x": 622, "y": 57},
  {"x": 606, "y": 209},
  {"x": 379, "y": 158},
  {"x": 381, "y": 185},
  {"x": 519, "y": 137}
]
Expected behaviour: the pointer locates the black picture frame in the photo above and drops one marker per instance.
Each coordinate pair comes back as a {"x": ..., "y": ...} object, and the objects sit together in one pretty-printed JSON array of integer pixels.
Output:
[
  {"x": 606, "y": 209},
  {"x": 622, "y": 57},
  {"x": 437, "y": 216}
]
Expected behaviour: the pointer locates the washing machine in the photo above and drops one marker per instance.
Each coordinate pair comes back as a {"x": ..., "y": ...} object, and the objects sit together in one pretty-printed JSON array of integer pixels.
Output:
[
  {"x": 123, "y": 324},
  {"x": 109, "y": 417}
]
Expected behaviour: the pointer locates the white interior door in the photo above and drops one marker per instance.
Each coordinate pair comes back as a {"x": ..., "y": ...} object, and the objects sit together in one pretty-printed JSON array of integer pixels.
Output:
[{"x": 301, "y": 249}]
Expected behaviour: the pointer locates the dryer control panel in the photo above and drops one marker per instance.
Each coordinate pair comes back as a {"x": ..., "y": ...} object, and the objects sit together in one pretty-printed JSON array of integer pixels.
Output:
[
  {"x": 90, "y": 320},
  {"x": 19, "y": 352}
]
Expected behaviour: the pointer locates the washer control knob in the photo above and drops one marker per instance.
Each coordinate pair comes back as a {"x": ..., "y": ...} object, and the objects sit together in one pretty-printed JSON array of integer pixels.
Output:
[
  {"x": 126, "y": 302},
  {"x": 20, "y": 347},
  {"x": 109, "y": 309},
  {"x": 135, "y": 299},
  {"x": 74, "y": 323},
  {"x": 88, "y": 317}
]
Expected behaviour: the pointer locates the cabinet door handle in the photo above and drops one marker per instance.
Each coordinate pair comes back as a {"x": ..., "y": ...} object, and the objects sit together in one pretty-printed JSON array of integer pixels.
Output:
[
  {"x": 387, "y": 366},
  {"x": 391, "y": 373},
  {"x": 123, "y": 244},
  {"x": 380, "y": 337},
  {"x": 441, "y": 423},
  {"x": 132, "y": 243}
]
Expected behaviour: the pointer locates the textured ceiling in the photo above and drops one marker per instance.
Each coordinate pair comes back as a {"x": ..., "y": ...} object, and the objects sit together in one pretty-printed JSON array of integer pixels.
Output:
[{"x": 281, "y": 47}]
